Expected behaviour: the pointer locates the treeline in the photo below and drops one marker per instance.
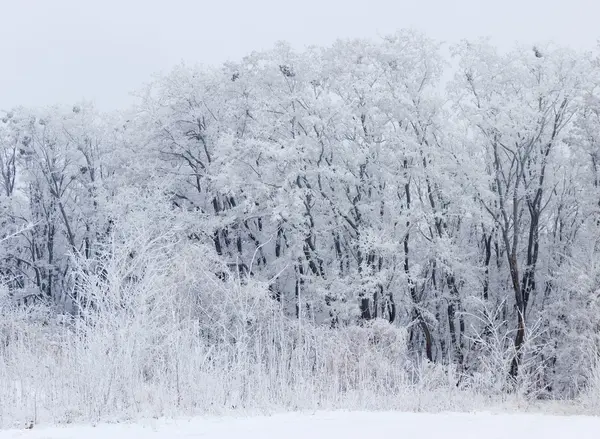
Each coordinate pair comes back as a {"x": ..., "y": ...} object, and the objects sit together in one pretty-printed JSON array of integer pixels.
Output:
[{"x": 351, "y": 181}]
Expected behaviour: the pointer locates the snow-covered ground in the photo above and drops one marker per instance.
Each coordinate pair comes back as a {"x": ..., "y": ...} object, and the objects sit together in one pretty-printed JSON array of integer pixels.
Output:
[{"x": 331, "y": 425}]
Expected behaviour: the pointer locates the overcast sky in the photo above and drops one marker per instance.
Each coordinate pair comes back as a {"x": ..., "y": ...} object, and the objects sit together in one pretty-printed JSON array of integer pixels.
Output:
[{"x": 60, "y": 51}]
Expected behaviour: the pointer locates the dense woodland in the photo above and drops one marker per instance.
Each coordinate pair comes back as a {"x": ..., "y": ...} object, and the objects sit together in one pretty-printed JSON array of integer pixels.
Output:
[{"x": 346, "y": 188}]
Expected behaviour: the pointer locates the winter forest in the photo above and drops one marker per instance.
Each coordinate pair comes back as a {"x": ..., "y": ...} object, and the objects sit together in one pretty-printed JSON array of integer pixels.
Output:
[{"x": 387, "y": 223}]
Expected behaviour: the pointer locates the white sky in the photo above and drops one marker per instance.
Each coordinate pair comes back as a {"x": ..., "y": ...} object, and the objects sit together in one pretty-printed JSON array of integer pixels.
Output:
[{"x": 60, "y": 51}]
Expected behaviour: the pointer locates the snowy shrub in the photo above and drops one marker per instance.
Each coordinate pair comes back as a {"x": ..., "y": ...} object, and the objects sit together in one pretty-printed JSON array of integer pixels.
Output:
[{"x": 160, "y": 334}]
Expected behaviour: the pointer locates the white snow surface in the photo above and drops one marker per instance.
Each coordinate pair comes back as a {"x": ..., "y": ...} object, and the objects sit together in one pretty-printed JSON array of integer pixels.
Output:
[{"x": 331, "y": 425}]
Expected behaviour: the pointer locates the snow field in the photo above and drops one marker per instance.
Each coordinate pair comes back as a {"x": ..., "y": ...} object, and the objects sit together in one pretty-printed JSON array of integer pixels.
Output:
[{"x": 330, "y": 425}]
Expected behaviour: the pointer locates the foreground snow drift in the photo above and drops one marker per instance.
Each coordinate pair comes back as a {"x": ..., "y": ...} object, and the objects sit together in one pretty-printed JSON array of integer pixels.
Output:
[{"x": 347, "y": 425}]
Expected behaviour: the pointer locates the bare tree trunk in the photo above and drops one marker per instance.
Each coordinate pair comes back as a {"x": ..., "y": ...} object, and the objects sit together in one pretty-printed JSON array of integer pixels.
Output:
[{"x": 411, "y": 285}]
